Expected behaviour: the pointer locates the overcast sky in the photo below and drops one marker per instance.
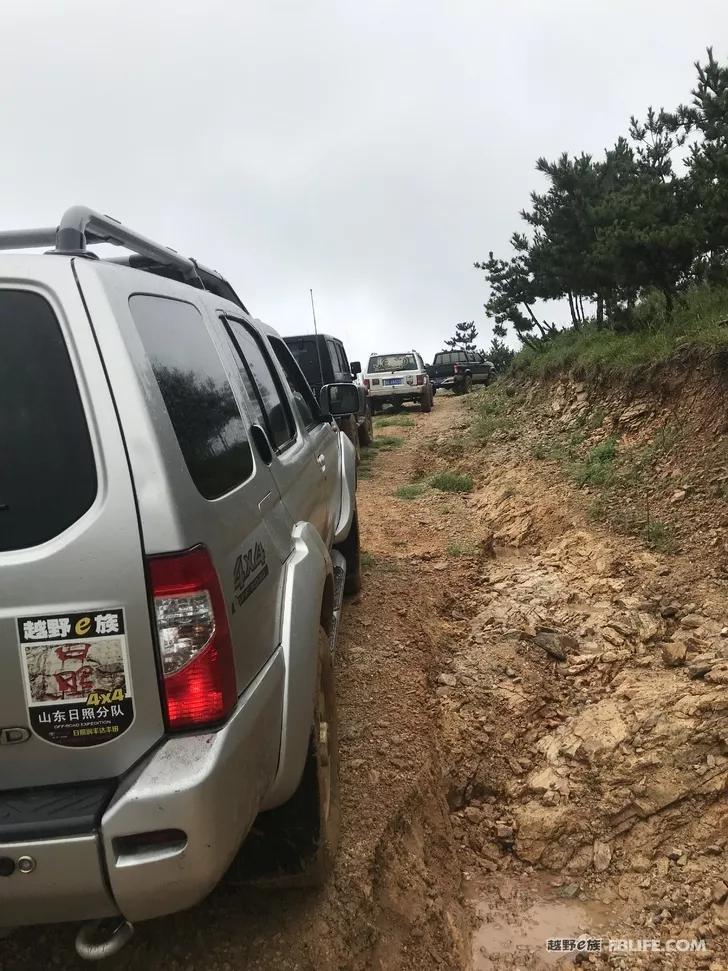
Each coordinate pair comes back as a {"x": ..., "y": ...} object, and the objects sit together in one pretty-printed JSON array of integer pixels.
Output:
[{"x": 369, "y": 150}]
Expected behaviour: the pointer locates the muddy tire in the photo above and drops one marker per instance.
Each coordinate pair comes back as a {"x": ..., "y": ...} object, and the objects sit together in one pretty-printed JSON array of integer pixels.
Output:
[
  {"x": 295, "y": 845},
  {"x": 426, "y": 402},
  {"x": 366, "y": 432},
  {"x": 315, "y": 805},
  {"x": 350, "y": 549}
]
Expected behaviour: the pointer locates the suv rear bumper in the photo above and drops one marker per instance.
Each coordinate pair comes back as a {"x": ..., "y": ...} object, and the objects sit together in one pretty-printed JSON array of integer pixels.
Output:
[{"x": 202, "y": 790}]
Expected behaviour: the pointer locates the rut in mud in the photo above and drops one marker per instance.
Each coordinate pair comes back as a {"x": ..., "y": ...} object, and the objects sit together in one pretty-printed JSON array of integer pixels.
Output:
[{"x": 534, "y": 726}]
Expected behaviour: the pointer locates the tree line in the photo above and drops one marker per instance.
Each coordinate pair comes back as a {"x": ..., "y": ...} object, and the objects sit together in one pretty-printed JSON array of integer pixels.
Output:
[{"x": 650, "y": 215}]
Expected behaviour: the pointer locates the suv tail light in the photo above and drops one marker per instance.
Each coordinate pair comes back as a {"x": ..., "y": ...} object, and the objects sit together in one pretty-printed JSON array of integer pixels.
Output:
[
  {"x": 420, "y": 379},
  {"x": 457, "y": 368},
  {"x": 194, "y": 639},
  {"x": 366, "y": 382}
]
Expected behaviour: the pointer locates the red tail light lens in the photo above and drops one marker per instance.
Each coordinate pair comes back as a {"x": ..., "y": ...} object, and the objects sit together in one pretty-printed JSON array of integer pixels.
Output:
[
  {"x": 194, "y": 639},
  {"x": 457, "y": 369},
  {"x": 366, "y": 382},
  {"x": 420, "y": 379}
]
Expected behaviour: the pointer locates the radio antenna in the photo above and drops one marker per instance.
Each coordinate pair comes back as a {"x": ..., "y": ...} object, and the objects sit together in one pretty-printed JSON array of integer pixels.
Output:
[{"x": 318, "y": 347}]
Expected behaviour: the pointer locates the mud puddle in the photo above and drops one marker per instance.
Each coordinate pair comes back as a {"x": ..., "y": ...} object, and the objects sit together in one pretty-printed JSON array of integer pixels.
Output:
[{"x": 516, "y": 920}]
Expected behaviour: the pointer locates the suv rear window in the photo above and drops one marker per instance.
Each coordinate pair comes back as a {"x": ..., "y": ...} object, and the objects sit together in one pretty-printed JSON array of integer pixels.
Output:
[
  {"x": 306, "y": 355},
  {"x": 47, "y": 468},
  {"x": 200, "y": 402},
  {"x": 391, "y": 362}
]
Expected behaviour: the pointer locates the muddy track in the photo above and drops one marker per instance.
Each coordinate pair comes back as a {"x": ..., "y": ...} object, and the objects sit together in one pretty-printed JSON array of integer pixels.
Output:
[{"x": 394, "y": 899}]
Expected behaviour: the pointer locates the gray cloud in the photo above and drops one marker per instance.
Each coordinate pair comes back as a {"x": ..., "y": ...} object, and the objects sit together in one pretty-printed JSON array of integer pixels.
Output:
[{"x": 371, "y": 151}]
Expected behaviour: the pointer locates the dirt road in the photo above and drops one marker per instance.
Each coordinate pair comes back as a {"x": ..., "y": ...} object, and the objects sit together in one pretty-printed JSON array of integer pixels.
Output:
[
  {"x": 534, "y": 737},
  {"x": 393, "y": 901}
]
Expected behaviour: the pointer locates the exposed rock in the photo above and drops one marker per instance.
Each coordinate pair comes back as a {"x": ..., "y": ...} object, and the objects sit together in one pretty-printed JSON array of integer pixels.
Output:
[
  {"x": 635, "y": 411},
  {"x": 674, "y": 653},
  {"x": 718, "y": 674},
  {"x": 448, "y": 680},
  {"x": 555, "y": 643},
  {"x": 600, "y": 728},
  {"x": 700, "y": 665},
  {"x": 602, "y": 855},
  {"x": 547, "y": 779},
  {"x": 692, "y": 621},
  {"x": 720, "y": 892},
  {"x": 537, "y": 826}
]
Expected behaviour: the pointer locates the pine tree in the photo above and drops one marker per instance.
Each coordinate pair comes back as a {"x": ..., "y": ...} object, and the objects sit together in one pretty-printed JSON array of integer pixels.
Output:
[
  {"x": 499, "y": 354},
  {"x": 465, "y": 337}
]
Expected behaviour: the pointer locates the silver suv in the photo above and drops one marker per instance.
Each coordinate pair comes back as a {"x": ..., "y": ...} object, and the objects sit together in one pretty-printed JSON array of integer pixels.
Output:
[{"x": 177, "y": 527}]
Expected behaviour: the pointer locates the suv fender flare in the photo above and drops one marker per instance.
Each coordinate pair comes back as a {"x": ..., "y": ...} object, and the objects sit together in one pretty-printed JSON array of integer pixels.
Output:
[
  {"x": 307, "y": 602},
  {"x": 347, "y": 477}
]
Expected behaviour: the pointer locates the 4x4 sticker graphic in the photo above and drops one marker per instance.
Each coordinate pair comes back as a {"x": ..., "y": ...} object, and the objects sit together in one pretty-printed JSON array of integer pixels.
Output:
[
  {"x": 76, "y": 673},
  {"x": 252, "y": 563}
]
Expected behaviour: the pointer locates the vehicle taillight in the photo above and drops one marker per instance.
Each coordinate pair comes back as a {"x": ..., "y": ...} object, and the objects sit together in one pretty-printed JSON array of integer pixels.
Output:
[
  {"x": 420, "y": 379},
  {"x": 194, "y": 639},
  {"x": 457, "y": 369},
  {"x": 366, "y": 382}
]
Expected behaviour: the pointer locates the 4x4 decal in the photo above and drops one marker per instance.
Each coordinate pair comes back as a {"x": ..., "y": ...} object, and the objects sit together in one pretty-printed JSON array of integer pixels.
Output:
[
  {"x": 76, "y": 673},
  {"x": 251, "y": 564}
]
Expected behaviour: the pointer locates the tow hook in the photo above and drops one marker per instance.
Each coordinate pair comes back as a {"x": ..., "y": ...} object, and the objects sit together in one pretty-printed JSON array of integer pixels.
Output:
[{"x": 94, "y": 944}]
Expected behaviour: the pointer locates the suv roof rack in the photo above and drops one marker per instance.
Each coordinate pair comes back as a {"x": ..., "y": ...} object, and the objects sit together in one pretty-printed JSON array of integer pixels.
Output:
[{"x": 80, "y": 227}]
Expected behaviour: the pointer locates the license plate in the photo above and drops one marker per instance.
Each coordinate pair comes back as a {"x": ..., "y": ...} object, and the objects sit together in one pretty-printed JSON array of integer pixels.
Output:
[{"x": 393, "y": 380}]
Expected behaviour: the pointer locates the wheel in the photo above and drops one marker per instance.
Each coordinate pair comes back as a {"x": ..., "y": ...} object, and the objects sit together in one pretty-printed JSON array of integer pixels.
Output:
[
  {"x": 317, "y": 796},
  {"x": 295, "y": 844},
  {"x": 350, "y": 549},
  {"x": 432, "y": 398},
  {"x": 366, "y": 431},
  {"x": 426, "y": 402},
  {"x": 468, "y": 386}
]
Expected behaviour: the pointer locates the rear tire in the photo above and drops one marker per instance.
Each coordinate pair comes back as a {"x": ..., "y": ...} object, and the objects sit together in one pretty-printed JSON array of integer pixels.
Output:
[
  {"x": 426, "y": 402},
  {"x": 366, "y": 432},
  {"x": 295, "y": 844},
  {"x": 350, "y": 549},
  {"x": 468, "y": 386}
]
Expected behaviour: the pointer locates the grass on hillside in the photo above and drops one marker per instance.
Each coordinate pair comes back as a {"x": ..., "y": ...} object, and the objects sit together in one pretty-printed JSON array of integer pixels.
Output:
[
  {"x": 400, "y": 421},
  {"x": 700, "y": 321},
  {"x": 452, "y": 482}
]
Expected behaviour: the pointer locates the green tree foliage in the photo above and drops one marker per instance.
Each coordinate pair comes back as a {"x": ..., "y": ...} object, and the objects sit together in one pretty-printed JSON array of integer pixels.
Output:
[
  {"x": 649, "y": 215},
  {"x": 465, "y": 337},
  {"x": 499, "y": 354}
]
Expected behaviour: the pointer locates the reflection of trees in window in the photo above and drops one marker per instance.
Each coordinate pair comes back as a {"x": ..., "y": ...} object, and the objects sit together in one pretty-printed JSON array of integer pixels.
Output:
[{"x": 208, "y": 427}]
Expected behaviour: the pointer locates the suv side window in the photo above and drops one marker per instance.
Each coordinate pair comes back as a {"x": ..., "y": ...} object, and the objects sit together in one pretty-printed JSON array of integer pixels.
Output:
[
  {"x": 262, "y": 384},
  {"x": 345, "y": 369},
  {"x": 196, "y": 392},
  {"x": 303, "y": 397},
  {"x": 47, "y": 468},
  {"x": 333, "y": 350}
]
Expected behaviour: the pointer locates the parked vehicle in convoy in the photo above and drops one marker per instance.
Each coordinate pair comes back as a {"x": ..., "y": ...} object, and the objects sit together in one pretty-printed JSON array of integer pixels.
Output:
[
  {"x": 397, "y": 378},
  {"x": 458, "y": 371},
  {"x": 178, "y": 525},
  {"x": 323, "y": 360}
]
